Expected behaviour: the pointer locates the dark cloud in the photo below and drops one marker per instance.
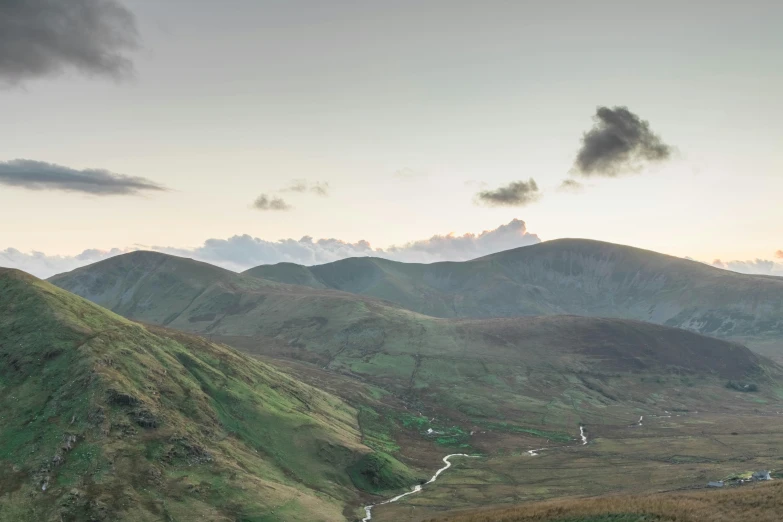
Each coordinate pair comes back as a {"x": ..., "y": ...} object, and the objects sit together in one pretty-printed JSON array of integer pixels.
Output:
[
  {"x": 302, "y": 185},
  {"x": 37, "y": 175},
  {"x": 264, "y": 202},
  {"x": 44, "y": 37},
  {"x": 515, "y": 194},
  {"x": 619, "y": 143},
  {"x": 241, "y": 252},
  {"x": 571, "y": 185}
]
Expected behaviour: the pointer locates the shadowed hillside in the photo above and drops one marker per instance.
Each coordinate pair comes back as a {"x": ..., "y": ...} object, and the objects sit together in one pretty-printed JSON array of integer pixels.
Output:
[
  {"x": 105, "y": 419},
  {"x": 568, "y": 276}
]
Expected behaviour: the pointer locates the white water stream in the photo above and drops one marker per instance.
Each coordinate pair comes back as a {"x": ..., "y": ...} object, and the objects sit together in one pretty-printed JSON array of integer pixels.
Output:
[{"x": 417, "y": 487}]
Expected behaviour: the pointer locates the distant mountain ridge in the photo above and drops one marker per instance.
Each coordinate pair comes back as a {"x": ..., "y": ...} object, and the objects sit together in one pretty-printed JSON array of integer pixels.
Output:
[{"x": 566, "y": 276}]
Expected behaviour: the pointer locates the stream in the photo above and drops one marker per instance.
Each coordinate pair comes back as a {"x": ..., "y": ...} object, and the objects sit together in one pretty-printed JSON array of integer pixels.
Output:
[{"x": 418, "y": 487}]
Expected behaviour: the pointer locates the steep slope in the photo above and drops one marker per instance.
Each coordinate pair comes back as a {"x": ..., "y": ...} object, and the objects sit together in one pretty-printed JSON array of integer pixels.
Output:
[
  {"x": 571, "y": 276},
  {"x": 536, "y": 371},
  {"x": 106, "y": 419}
]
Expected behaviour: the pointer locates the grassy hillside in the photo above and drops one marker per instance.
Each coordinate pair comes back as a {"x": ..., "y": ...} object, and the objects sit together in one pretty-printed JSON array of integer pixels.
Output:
[
  {"x": 106, "y": 419},
  {"x": 567, "y": 276},
  {"x": 539, "y": 376}
]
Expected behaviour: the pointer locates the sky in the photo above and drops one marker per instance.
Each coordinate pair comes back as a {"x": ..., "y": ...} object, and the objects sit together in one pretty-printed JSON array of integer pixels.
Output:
[{"x": 256, "y": 131}]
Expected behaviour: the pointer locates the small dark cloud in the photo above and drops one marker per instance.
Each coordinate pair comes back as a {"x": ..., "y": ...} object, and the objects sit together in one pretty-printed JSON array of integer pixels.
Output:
[
  {"x": 619, "y": 143},
  {"x": 515, "y": 194},
  {"x": 571, "y": 185},
  {"x": 38, "y": 175},
  {"x": 320, "y": 188},
  {"x": 779, "y": 254},
  {"x": 264, "y": 202},
  {"x": 44, "y": 37}
]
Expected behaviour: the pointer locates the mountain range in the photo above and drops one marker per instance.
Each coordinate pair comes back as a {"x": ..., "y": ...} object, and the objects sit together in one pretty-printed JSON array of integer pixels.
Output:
[
  {"x": 566, "y": 276},
  {"x": 527, "y": 368}
]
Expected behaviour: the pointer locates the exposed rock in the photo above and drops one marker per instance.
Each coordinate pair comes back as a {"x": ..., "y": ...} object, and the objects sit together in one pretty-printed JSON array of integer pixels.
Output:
[
  {"x": 122, "y": 399},
  {"x": 146, "y": 419}
]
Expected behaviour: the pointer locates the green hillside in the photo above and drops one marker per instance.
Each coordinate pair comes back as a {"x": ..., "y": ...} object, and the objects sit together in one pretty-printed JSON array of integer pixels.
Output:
[
  {"x": 105, "y": 419},
  {"x": 568, "y": 276}
]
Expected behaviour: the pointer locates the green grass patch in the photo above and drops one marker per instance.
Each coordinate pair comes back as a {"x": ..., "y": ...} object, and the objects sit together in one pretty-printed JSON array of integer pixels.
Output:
[
  {"x": 380, "y": 472},
  {"x": 505, "y": 427}
]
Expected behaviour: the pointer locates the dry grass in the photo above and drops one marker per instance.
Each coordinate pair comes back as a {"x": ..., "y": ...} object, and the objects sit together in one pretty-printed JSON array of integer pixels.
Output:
[{"x": 759, "y": 503}]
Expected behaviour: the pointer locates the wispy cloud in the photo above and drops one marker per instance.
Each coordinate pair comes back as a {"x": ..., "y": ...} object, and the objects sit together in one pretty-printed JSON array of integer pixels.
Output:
[
  {"x": 241, "y": 252},
  {"x": 408, "y": 173},
  {"x": 320, "y": 188},
  {"x": 38, "y": 175},
  {"x": 779, "y": 254},
  {"x": 43, "y": 37},
  {"x": 619, "y": 143},
  {"x": 515, "y": 194},
  {"x": 571, "y": 185},
  {"x": 264, "y": 202}
]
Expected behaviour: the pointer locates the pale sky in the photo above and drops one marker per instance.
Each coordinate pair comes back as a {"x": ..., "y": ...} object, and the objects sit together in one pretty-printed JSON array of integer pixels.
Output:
[{"x": 231, "y": 100}]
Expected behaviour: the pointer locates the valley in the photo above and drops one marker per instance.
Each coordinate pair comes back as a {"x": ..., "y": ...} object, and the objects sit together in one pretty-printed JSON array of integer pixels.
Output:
[
  {"x": 425, "y": 387},
  {"x": 667, "y": 454}
]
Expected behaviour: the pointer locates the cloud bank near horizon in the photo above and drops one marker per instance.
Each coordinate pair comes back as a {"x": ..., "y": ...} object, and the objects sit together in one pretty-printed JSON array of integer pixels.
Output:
[
  {"x": 753, "y": 267},
  {"x": 241, "y": 252}
]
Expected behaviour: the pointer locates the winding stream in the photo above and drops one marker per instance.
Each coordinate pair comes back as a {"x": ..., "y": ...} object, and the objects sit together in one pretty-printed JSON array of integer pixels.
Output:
[
  {"x": 447, "y": 460},
  {"x": 417, "y": 487}
]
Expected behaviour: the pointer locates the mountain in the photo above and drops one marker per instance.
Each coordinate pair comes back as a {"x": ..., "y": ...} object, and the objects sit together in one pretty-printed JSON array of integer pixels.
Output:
[
  {"x": 567, "y": 276},
  {"x": 529, "y": 371},
  {"x": 106, "y": 419}
]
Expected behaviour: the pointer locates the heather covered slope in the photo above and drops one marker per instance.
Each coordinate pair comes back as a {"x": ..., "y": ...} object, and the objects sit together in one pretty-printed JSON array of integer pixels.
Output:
[
  {"x": 760, "y": 503},
  {"x": 106, "y": 419},
  {"x": 568, "y": 276}
]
